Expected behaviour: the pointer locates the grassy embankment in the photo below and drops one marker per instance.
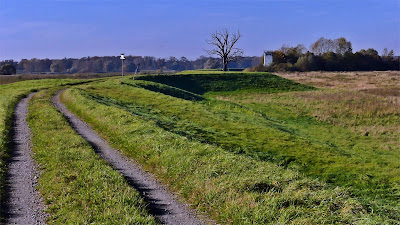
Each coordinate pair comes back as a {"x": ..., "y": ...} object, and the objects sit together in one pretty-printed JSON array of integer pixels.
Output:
[
  {"x": 357, "y": 115},
  {"x": 10, "y": 94},
  {"x": 316, "y": 131},
  {"x": 212, "y": 71},
  {"x": 223, "y": 158},
  {"x": 227, "y": 82},
  {"x": 77, "y": 186}
]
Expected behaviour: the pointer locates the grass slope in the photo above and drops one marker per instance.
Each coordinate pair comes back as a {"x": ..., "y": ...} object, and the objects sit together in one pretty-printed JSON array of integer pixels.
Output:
[
  {"x": 268, "y": 135},
  {"x": 283, "y": 133},
  {"x": 346, "y": 137},
  {"x": 232, "y": 188},
  {"x": 227, "y": 82},
  {"x": 77, "y": 186}
]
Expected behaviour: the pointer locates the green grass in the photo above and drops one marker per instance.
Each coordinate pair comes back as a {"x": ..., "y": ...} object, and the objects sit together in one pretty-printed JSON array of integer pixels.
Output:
[
  {"x": 213, "y": 71},
  {"x": 6, "y": 79},
  {"x": 167, "y": 90},
  {"x": 208, "y": 153},
  {"x": 77, "y": 186},
  {"x": 367, "y": 141},
  {"x": 249, "y": 148},
  {"x": 227, "y": 82},
  {"x": 10, "y": 94},
  {"x": 321, "y": 142},
  {"x": 268, "y": 136}
]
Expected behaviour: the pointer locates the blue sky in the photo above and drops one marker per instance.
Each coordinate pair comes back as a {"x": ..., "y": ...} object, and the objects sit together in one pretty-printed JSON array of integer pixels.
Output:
[{"x": 162, "y": 28}]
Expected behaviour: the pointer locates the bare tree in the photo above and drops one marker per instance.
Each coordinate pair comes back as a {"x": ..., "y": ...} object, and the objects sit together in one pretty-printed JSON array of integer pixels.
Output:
[
  {"x": 322, "y": 45},
  {"x": 223, "y": 43}
]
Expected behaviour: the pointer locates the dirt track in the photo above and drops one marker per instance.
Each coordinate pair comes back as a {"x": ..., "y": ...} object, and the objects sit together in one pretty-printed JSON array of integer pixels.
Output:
[
  {"x": 162, "y": 204},
  {"x": 23, "y": 204}
]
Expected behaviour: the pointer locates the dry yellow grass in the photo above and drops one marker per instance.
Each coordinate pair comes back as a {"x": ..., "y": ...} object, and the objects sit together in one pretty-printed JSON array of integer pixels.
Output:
[{"x": 349, "y": 80}]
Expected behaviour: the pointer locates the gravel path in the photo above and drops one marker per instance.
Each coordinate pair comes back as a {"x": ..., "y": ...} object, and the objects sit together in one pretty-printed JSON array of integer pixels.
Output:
[
  {"x": 162, "y": 204},
  {"x": 23, "y": 204}
]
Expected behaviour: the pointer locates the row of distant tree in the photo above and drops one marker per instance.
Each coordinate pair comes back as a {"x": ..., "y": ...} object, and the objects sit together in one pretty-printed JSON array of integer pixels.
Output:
[
  {"x": 107, "y": 64},
  {"x": 330, "y": 55},
  {"x": 324, "y": 54}
]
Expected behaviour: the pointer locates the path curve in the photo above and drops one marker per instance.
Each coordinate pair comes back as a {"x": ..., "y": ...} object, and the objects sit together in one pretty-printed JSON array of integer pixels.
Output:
[
  {"x": 23, "y": 202},
  {"x": 162, "y": 204}
]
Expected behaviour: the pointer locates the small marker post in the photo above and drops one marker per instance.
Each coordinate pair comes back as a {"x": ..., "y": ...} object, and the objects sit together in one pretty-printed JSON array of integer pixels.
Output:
[{"x": 122, "y": 59}]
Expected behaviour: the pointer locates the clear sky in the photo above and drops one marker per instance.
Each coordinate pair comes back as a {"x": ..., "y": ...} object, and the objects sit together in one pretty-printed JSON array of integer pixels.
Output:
[{"x": 162, "y": 28}]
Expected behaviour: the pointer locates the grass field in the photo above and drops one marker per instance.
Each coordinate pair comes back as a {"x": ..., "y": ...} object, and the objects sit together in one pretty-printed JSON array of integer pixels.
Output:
[
  {"x": 232, "y": 188},
  {"x": 245, "y": 148},
  {"x": 282, "y": 131}
]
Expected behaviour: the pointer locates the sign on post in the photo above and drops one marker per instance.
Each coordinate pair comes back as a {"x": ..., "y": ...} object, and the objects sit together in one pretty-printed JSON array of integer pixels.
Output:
[{"x": 122, "y": 59}]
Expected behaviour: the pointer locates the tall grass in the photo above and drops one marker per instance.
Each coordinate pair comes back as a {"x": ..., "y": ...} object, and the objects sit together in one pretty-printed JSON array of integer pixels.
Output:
[{"x": 233, "y": 188}]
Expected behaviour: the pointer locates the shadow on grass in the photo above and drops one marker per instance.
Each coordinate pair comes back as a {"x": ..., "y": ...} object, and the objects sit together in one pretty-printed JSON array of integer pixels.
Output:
[
  {"x": 200, "y": 84},
  {"x": 167, "y": 90}
]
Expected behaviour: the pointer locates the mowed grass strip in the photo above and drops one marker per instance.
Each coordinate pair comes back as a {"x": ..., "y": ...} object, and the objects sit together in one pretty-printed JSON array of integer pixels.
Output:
[
  {"x": 77, "y": 186},
  {"x": 231, "y": 188},
  {"x": 10, "y": 95}
]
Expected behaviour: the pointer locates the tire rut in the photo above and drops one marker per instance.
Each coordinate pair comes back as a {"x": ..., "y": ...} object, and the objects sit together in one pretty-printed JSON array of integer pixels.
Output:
[
  {"x": 161, "y": 203},
  {"x": 23, "y": 202}
]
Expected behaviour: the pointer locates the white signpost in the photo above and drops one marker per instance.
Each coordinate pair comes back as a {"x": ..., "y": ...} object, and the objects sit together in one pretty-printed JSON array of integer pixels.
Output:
[{"x": 122, "y": 59}]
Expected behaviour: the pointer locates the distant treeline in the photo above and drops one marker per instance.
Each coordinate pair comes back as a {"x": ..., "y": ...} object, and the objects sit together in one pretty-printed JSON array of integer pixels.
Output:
[
  {"x": 106, "y": 64},
  {"x": 330, "y": 55},
  {"x": 324, "y": 54}
]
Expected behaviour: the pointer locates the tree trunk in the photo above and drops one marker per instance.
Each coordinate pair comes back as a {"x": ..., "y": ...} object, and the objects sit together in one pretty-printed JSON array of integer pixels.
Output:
[{"x": 225, "y": 64}]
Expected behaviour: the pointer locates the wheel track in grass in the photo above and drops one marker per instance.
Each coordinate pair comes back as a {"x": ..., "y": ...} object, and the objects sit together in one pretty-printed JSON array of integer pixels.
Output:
[
  {"x": 23, "y": 204},
  {"x": 161, "y": 203}
]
